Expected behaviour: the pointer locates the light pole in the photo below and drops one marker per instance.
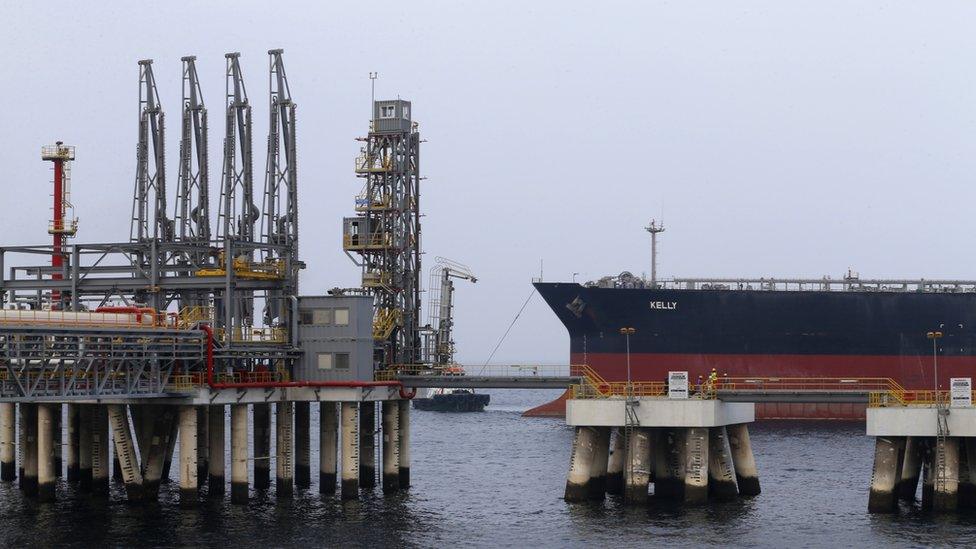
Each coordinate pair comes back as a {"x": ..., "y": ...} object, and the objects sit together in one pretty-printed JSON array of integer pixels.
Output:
[
  {"x": 935, "y": 336},
  {"x": 627, "y": 332}
]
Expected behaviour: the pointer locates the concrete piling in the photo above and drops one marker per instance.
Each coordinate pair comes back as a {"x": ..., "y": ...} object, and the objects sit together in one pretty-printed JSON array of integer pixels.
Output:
[
  {"x": 262, "y": 446},
  {"x": 125, "y": 449},
  {"x": 45, "y": 451},
  {"x": 404, "y": 417},
  {"x": 303, "y": 445},
  {"x": 967, "y": 476},
  {"x": 596, "y": 488},
  {"x": 946, "y": 493},
  {"x": 884, "y": 477},
  {"x": 350, "y": 450},
  {"x": 203, "y": 442},
  {"x": 721, "y": 472},
  {"x": 580, "y": 464},
  {"x": 615, "y": 463},
  {"x": 391, "y": 446},
  {"x": 746, "y": 472},
  {"x": 21, "y": 444},
  {"x": 101, "y": 445},
  {"x": 158, "y": 421},
  {"x": 71, "y": 447},
  {"x": 328, "y": 446},
  {"x": 637, "y": 465},
  {"x": 696, "y": 465},
  {"x": 285, "y": 449},
  {"x": 367, "y": 444},
  {"x": 911, "y": 468},
  {"x": 238, "y": 460},
  {"x": 8, "y": 444},
  {"x": 85, "y": 446},
  {"x": 29, "y": 412},
  {"x": 216, "y": 460},
  {"x": 57, "y": 426},
  {"x": 172, "y": 436},
  {"x": 188, "y": 455},
  {"x": 669, "y": 464}
]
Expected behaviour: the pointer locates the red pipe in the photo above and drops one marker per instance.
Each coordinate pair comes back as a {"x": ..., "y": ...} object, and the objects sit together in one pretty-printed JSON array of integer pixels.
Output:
[{"x": 274, "y": 384}]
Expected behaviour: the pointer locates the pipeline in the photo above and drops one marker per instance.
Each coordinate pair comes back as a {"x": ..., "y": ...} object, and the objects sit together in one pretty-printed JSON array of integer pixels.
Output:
[{"x": 277, "y": 384}]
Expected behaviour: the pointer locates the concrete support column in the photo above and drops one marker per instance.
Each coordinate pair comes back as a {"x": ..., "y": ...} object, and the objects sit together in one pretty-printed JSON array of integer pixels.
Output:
[
  {"x": 696, "y": 465},
  {"x": 967, "y": 478},
  {"x": 597, "y": 487},
  {"x": 911, "y": 468},
  {"x": 367, "y": 444},
  {"x": 45, "y": 451},
  {"x": 350, "y": 450},
  {"x": 85, "y": 446},
  {"x": 203, "y": 442},
  {"x": 637, "y": 465},
  {"x": 884, "y": 476},
  {"x": 238, "y": 448},
  {"x": 303, "y": 445},
  {"x": 328, "y": 447},
  {"x": 174, "y": 433},
  {"x": 217, "y": 453},
  {"x": 928, "y": 475},
  {"x": 721, "y": 472},
  {"x": 125, "y": 449},
  {"x": 669, "y": 464},
  {"x": 580, "y": 463},
  {"x": 615, "y": 463},
  {"x": 158, "y": 421},
  {"x": 285, "y": 448},
  {"x": 72, "y": 419},
  {"x": 188, "y": 455},
  {"x": 391, "y": 446},
  {"x": 29, "y": 412},
  {"x": 262, "y": 446},
  {"x": 746, "y": 472},
  {"x": 404, "y": 444},
  {"x": 21, "y": 444},
  {"x": 101, "y": 444},
  {"x": 57, "y": 427},
  {"x": 947, "y": 476},
  {"x": 8, "y": 443}
]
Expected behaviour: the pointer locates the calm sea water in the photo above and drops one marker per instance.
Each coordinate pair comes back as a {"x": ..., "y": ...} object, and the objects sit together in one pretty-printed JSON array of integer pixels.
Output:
[{"x": 496, "y": 479}]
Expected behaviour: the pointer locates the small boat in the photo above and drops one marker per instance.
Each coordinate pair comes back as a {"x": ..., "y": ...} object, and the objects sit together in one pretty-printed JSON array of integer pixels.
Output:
[{"x": 454, "y": 400}]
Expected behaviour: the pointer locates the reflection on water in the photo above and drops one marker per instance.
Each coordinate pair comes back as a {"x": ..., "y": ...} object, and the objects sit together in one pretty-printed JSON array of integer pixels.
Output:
[{"x": 497, "y": 479}]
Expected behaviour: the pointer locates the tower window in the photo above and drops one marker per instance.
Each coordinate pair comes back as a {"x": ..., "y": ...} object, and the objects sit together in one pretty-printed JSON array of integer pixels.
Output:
[{"x": 387, "y": 111}]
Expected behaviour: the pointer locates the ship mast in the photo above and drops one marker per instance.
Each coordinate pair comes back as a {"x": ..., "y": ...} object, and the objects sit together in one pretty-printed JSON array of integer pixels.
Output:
[{"x": 654, "y": 228}]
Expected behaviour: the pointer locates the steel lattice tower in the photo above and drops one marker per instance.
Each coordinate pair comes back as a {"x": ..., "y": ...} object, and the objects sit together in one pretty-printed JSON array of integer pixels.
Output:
[
  {"x": 279, "y": 230},
  {"x": 386, "y": 234},
  {"x": 238, "y": 214},
  {"x": 149, "y": 220},
  {"x": 193, "y": 191}
]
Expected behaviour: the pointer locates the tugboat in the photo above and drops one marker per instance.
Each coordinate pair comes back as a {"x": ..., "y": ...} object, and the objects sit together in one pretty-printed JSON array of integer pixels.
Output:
[{"x": 452, "y": 400}]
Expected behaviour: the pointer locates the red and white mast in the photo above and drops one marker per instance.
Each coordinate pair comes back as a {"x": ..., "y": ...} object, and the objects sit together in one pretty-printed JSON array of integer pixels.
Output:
[{"x": 63, "y": 223}]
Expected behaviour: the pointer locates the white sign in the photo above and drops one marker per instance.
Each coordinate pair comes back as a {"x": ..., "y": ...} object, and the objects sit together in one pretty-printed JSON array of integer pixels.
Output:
[
  {"x": 961, "y": 391},
  {"x": 677, "y": 384}
]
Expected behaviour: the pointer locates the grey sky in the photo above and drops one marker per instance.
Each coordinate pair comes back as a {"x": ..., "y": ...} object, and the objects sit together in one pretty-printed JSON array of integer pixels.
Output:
[{"x": 778, "y": 138}]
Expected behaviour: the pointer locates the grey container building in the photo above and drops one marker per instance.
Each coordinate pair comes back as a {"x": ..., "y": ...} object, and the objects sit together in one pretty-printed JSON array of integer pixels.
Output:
[
  {"x": 336, "y": 337},
  {"x": 391, "y": 116}
]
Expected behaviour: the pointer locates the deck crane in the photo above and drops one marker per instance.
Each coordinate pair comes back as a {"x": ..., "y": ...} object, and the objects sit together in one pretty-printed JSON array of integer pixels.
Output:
[{"x": 441, "y": 311}]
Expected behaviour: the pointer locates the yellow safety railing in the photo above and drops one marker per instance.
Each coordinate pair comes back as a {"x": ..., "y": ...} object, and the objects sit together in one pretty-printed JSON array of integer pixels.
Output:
[
  {"x": 272, "y": 334},
  {"x": 367, "y": 164},
  {"x": 245, "y": 269},
  {"x": 188, "y": 316},
  {"x": 367, "y": 241}
]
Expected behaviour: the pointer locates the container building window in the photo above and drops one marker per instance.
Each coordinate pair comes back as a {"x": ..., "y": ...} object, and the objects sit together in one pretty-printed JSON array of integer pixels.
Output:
[
  {"x": 305, "y": 316},
  {"x": 342, "y": 361},
  {"x": 325, "y": 361},
  {"x": 342, "y": 317},
  {"x": 387, "y": 111},
  {"x": 322, "y": 317}
]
